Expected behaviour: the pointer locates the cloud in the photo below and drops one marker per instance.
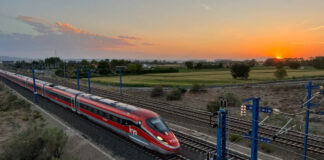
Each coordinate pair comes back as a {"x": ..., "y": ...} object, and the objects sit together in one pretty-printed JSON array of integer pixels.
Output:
[
  {"x": 316, "y": 28},
  {"x": 68, "y": 28},
  {"x": 149, "y": 44},
  {"x": 38, "y": 25},
  {"x": 62, "y": 36},
  {"x": 130, "y": 37}
]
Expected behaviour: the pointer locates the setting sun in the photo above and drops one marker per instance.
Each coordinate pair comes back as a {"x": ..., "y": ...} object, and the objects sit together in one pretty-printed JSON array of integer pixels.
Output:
[{"x": 278, "y": 57}]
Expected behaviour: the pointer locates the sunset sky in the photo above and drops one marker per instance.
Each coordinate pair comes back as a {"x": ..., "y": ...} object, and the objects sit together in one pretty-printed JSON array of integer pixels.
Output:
[{"x": 162, "y": 29}]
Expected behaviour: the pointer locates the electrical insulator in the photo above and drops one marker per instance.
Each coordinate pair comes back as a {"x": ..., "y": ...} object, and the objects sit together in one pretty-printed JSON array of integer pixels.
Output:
[{"x": 243, "y": 110}]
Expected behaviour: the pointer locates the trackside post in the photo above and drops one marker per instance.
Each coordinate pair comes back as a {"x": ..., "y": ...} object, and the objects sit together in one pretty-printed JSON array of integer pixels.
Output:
[
  {"x": 78, "y": 81},
  {"x": 253, "y": 136},
  {"x": 221, "y": 135},
  {"x": 309, "y": 88},
  {"x": 34, "y": 84},
  {"x": 89, "y": 87}
]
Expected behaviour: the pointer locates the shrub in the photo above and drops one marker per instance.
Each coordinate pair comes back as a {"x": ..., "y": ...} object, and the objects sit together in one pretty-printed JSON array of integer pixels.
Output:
[
  {"x": 36, "y": 115},
  {"x": 182, "y": 90},
  {"x": 213, "y": 106},
  {"x": 35, "y": 143},
  {"x": 234, "y": 137},
  {"x": 174, "y": 95},
  {"x": 55, "y": 140},
  {"x": 157, "y": 91},
  {"x": 266, "y": 147},
  {"x": 280, "y": 73},
  {"x": 11, "y": 97},
  {"x": 196, "y": 88},
  {"x": 232, "y": 100},
  {"x": 1, "y": 87},
  {"x": 240, "y": 71}
]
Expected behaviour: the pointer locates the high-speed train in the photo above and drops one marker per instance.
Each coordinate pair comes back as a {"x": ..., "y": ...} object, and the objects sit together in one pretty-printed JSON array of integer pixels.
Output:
[{"x": 141, "y": 126}]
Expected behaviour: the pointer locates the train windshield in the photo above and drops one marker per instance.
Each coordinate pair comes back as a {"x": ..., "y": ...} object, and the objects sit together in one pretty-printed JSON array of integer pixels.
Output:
[{"x": 158, "y": 125}]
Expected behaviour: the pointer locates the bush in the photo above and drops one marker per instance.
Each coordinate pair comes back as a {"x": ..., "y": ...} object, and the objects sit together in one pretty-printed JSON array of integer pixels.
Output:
[
  {"x": 11, "y": 97},
  {"x": 240, "y": 71},
  {"x": 266, "y": 147},
  {"x": 234, "y": 137},
  {"x": 213, "y": 106},
  {"x": 36, "y": 115},
  {"x": 196, "y": 88},
  {"x": 157, "y": 91},
  {"x": 232, "y": 100},
  {"x": 35, "y": 143},
  {"x": 280, "y": 73},
  {"x": 182, "y": 90},
  {"x": 174, "y": 95}
]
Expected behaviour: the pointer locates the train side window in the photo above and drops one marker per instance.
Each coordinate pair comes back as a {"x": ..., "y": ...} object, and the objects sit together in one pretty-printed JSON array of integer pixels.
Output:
[
  {"x": 107, "y": 116},
  {"x": 94, "y": 111},
  {"x": 124, "y": 122}
]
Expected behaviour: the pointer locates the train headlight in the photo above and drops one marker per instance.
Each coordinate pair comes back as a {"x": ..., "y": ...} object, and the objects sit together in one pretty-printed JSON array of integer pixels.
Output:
[{"x": 161, "y": 139}]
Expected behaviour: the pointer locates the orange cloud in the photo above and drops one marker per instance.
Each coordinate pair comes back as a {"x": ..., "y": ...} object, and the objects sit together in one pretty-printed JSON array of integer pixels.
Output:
[{"x": 68, "y": 28}]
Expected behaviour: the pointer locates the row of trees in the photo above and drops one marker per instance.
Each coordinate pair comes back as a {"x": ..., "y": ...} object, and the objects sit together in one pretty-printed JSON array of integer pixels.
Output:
[
  {"x": 295, "y": 63},
  {"x": 202, "y": 65},
  {"x": 98, "y": 68}
]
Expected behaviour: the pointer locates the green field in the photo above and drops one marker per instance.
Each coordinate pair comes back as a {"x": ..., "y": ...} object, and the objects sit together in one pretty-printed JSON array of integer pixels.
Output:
[{"x": 205, "y": 77}]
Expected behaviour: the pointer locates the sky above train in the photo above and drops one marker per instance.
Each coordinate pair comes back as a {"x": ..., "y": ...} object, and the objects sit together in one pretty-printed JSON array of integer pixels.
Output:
[{"x": 162, "y": 29}]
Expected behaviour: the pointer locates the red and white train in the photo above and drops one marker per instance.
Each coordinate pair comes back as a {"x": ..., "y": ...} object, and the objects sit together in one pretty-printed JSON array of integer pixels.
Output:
[{"x": 141, "y": 126}]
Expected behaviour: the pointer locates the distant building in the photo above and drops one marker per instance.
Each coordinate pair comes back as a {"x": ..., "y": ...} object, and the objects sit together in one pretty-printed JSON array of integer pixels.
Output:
[{"x": 147, "y": 66}]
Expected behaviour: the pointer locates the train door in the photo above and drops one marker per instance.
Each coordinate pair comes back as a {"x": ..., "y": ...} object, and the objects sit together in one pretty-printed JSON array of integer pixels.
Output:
[
  {"x": 133, "y": 130},
  {"x": 76, "y": 104},
  {"x": 43, "y": 90},
  {"x": 72, "y": 103}
]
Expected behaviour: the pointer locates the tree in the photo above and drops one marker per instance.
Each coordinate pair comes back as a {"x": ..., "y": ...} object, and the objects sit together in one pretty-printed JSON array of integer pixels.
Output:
[
  {"x": 318, "y": 62},
  {"x": 131, "y": 67},
  {"x": 240, "y": 71},
  {"x": 199, "y": 65},
  {"x": 103, "y": 67},
  {"x": 52, "y": 62},
  {"x": 189, "y": 64},
  {"x": 252, "y": 63},
  {"x": 280, "y": 73},
  {"x": 270, "y": 62},
  {"x": 294, "y": 65}
]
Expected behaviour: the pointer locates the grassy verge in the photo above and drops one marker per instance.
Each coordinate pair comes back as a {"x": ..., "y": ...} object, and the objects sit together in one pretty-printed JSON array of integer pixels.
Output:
[{"x": 24, "y": 134}]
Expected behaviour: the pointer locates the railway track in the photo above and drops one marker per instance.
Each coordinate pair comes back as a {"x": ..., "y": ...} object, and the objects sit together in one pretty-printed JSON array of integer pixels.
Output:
[
  {"x": 204, "y": 147},
  {"x": 292, "y": 138}
]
